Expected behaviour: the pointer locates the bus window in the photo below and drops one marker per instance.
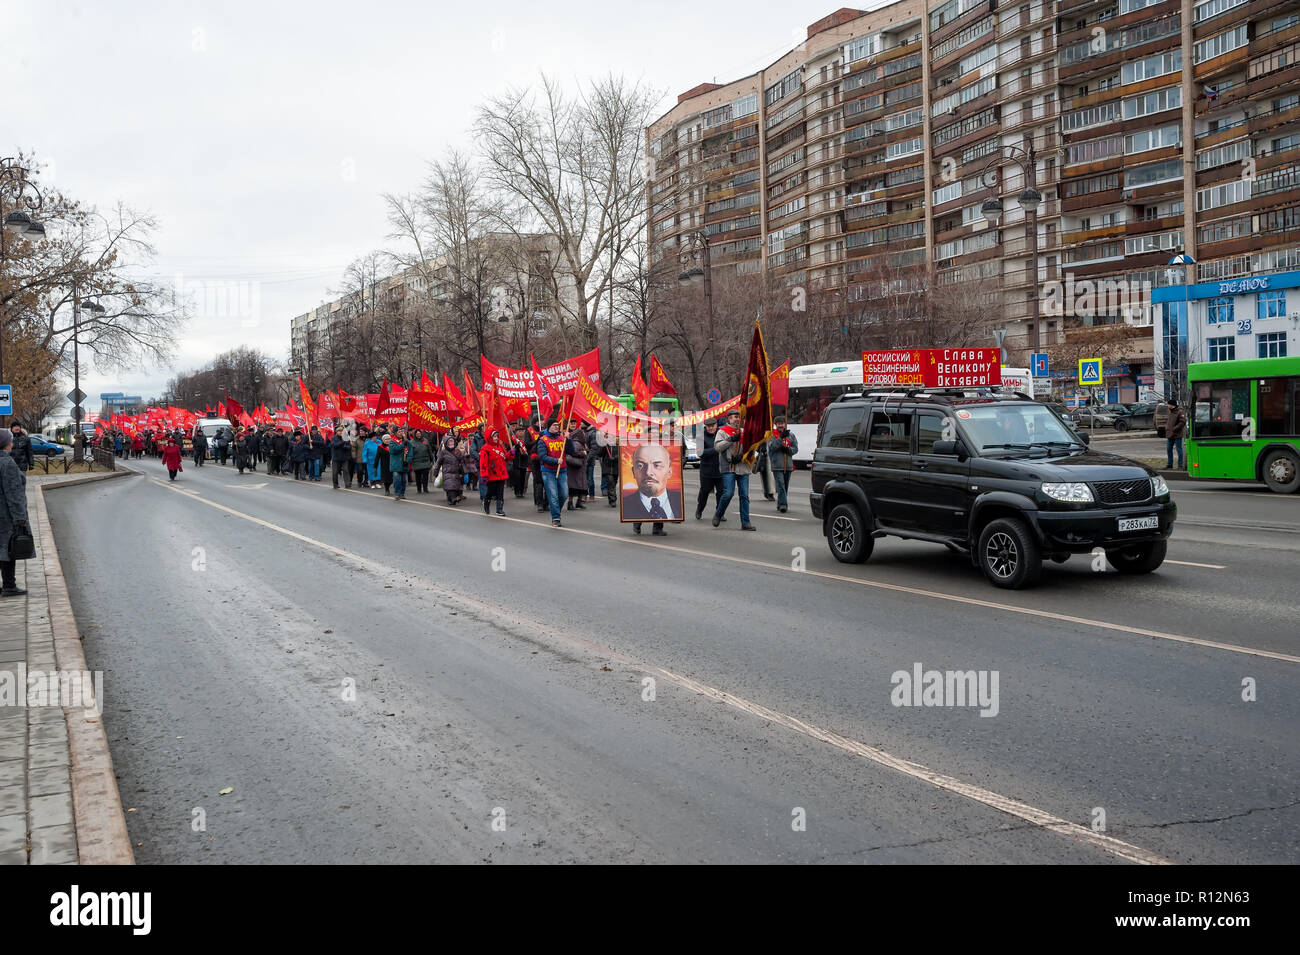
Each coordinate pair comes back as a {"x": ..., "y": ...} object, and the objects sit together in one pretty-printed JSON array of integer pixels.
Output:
[
  {"x": 807, "y": 404},
  {"x": 1277, "y": 398},
  {"x": 1221, "y": 409}
]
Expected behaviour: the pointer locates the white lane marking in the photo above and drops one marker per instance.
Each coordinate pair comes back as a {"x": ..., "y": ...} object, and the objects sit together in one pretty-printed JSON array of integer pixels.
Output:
[
  {"x": 987, "y": 797},
  {"x": 242, "y": 487},
  {"x": 899, "y": 588},
  {"x": 1192, "y": 563}
]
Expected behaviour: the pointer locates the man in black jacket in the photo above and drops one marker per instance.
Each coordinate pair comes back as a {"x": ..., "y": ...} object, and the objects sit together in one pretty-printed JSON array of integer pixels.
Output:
[
  {"x": 710, "y": 476},
  {"x": 316, "y": 453},
  {"x": 340, "y": 454},
  {"x": 200, "y": 447},
  {"x": 279, "y": 448},
  {"x": 254, "y": 447},
  {"x": 22, "y": 449}
]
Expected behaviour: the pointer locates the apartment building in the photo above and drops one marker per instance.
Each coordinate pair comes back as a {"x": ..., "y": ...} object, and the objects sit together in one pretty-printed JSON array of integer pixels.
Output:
[{"x": 1146, "y": 128}]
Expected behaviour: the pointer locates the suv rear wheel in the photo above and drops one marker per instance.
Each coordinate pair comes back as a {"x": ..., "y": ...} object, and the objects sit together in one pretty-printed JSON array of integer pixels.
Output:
[
  {"x": 1009, "y": 555},
  {"x": 1139, "y": 558},
  {"x": 846, "y": 533}
]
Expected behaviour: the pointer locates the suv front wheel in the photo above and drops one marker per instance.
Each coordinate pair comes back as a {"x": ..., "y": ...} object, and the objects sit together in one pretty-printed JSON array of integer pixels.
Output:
[
  {"x": 846, "y": 533},
  {"x": 1139, "y": 558},
  {"x": 1009, "y": 554}
]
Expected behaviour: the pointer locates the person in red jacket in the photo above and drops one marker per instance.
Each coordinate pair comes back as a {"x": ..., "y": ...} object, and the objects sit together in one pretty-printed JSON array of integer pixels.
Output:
[
  {"x": 171, "y": 459},
  {"x": 137, "y": 446},
  {"x": 493, "y": 470}
]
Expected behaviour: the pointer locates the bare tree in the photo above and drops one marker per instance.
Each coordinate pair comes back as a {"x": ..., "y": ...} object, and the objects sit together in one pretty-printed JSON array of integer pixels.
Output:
[{"x": 576, "y": 166}]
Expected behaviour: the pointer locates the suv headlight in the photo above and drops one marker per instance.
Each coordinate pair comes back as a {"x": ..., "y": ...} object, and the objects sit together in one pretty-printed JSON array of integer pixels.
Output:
[
  {"x": 1070, "y": 493},
  {"x": 1158, "y": 486}
]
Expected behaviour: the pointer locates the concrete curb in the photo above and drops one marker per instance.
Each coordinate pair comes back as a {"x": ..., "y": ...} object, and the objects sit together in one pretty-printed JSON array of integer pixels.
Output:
[{"x": 102, "y": 837}]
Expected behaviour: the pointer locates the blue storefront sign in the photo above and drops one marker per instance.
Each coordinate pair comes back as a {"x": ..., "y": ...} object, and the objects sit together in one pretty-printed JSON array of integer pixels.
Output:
[{"x": 1246, "y": 285}]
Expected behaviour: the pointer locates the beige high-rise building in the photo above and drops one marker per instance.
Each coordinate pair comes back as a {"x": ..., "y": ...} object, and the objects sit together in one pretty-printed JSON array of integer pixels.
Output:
[{"x": 873, "y": 147}]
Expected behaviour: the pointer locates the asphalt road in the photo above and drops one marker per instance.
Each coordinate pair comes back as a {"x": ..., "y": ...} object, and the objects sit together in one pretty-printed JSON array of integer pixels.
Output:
[{"x": 228, "y": 614}]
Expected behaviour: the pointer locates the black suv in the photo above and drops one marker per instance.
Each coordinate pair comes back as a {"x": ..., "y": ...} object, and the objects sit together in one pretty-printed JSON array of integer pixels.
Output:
[{"x": 1001, "y": 478}]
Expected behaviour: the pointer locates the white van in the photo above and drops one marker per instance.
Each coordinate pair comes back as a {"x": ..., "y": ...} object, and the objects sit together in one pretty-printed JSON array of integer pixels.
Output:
[{"x": 210, "y": 426}]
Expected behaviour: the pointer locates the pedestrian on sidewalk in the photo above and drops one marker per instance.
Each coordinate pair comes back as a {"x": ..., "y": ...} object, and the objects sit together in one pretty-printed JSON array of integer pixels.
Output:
[
  {"x": 735, "y": 472},
  {"x": 171, "y": 459},
  {"x": 493, "y": 468},
  {"x": 22, "y": 450},
  {"x": 13, "y": 509},
  {"x": 781, "y": 449},
  {"x": 1176, "y": 431}
]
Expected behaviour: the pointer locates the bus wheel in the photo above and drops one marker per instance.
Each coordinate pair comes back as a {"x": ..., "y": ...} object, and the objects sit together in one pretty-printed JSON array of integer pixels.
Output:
[{"x": 1282, "y": 472}]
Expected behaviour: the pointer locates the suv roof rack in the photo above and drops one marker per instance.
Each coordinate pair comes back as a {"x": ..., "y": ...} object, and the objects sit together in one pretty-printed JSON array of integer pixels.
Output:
[{"x": 940, "y": 394}]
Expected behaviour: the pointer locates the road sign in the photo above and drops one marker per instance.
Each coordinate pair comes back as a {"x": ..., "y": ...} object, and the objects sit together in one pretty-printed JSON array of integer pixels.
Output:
[
  {"x": 6, "y": 399},
  {"x": 77, "y": 413},
  {"x": 76, "y": 396},
  {"x": 1038, "y": 364},
  {"x": 1090, "y": 371},
  {"x": 1042, "y": 387},
  {"x": 714, "y": 396}
]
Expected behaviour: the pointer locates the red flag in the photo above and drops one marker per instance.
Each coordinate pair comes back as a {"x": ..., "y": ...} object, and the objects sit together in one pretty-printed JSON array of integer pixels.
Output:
[
  {"x": 246, "y": 419},
  {"x": 472, "y": 398},
  {"x": 221, "y": 409},
  {"x": 640, "y": 390},
  {"x": 494, "y": 416},
  {"x": 426, "y": 383},
  {"x": 547, "y": 393},
  {"x": 234, "y": 410},
  {"x": 449, "y": 386},
  {"x": 659, "y": 383},
  {"x": 308, "y": 406},
  {"x": 780, "y": 380},
  {"x": 756, "y": 398}
]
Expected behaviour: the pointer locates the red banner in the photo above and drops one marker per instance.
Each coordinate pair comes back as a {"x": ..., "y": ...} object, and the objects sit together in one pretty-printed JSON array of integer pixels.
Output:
[
  {"x": 516, "y": 384},
  {"x": 933, "y": 367},
  {"x": 429, "y": 410},
  {"x": 392, "y": 402},
  {"x": 756, "y": 416},
  {"x": 283, "y": 420}
]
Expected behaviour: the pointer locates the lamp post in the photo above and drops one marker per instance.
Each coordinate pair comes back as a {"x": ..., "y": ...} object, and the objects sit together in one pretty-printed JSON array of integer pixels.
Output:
[
  {"x": 691, "y": 275},
  {"x": 97, "y": 309},
  {"x": 15, "y": 182},
  {"x": 1029, "y": 199}
]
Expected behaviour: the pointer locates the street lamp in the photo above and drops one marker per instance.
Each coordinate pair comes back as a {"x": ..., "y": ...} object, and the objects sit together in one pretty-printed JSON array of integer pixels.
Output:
[
  {"x": 691, "y": 275},
  {"x": 1030, "y": 199},
  {"x": 15, "y": 182}
]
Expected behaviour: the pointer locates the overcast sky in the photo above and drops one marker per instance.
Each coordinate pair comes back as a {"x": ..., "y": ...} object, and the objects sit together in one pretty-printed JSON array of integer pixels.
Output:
[{"x": 262, "y": 135}]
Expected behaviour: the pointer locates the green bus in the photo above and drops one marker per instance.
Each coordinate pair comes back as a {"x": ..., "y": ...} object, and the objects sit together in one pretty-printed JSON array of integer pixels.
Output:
[
  {"x": 1244, "y": 423},
  {"x": 660, "y": 406}
]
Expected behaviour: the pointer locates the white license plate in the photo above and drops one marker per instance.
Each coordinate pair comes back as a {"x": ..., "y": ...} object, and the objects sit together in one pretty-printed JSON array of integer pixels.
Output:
[{"x": 1151, "y": 523}]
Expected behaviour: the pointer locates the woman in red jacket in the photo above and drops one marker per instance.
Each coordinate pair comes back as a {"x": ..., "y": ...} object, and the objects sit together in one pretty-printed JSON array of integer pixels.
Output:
[
  {"x": 493, "y": 459},
  {"x": 171, "y": 459}
]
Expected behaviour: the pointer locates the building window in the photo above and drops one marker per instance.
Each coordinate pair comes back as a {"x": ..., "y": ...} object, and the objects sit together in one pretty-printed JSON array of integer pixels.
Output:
[
  {"x": 1222, "y": 349},
  {"x": 1272, "y": 305},
  {"x": 1219, "y": 311},
  {"x": 1271, "y": 345},
  {"x": 1219, "y": 45}
]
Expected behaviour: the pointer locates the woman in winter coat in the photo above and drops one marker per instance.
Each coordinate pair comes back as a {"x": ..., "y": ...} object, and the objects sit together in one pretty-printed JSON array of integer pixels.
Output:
[
  {"x": 171, "y": 459},
  {"x": 468, "y": 462},
  {"x": 359, "y": 468},
  {"x": 137, "y": 446},
  {"x": 370, "y": 457},
  {"x": 493, "y": 469},
  {"x": 448, "y": 464},
  {"x": 421, "y": 461},
  {"x": 575, "y": 459}
]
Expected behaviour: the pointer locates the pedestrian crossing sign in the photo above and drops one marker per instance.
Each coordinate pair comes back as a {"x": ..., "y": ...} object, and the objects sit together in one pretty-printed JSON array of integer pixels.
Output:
[{"x": 1090, "y": 371}]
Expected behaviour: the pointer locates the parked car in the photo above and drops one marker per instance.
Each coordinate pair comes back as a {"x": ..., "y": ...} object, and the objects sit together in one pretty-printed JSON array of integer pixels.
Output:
[
  {"x": 1001, "y": 481},
  {"x": 45, "y": 446},
  {"x": 1093, "y": 418},
  {"x": 1129, "y": 417}
]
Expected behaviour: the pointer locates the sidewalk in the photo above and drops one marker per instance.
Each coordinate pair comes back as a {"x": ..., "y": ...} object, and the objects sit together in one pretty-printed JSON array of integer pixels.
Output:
[{"x": 58, "y": 797}]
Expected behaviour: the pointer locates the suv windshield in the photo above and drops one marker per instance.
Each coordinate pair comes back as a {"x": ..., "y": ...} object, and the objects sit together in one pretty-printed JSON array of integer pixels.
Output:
[{"x": 994, "y": 427}]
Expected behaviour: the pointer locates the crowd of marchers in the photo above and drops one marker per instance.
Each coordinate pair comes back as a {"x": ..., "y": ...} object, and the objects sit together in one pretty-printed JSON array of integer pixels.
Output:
[{"x": 558, "y": 458}]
